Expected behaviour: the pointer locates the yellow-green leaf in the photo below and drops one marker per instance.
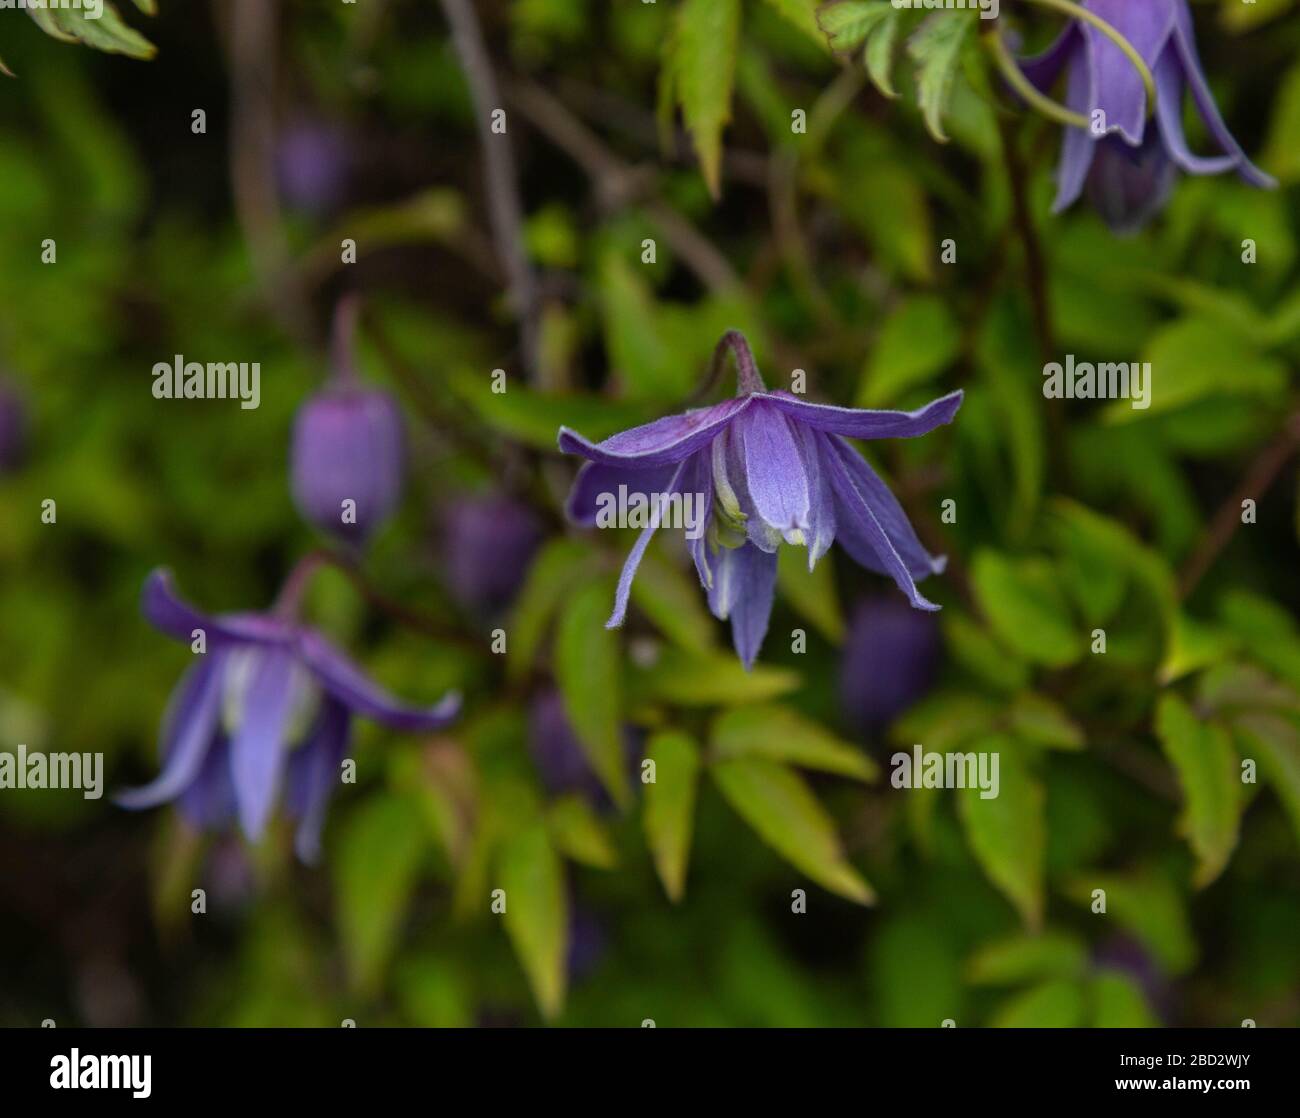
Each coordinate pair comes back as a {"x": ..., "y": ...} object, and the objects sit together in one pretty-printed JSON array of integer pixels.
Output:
[
  {"x": 537, "y": 913},
  {"x": 579, "y": 833},
  {"x": 782, "y": 809},
  {"x": 703, "y": 62},
  {"x": 669, "y": 814},
  {"x": 781, "y": 734}
]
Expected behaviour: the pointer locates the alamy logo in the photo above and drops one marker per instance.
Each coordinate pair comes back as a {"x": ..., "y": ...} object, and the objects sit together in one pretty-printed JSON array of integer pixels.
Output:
[
  {"x": 93, "y": 9},
  {"x": 121, "y": 1073},
  {"x": 1083, "y": 380},
  {"x": 192, "y": 380},
  {"x": 988, "y": 9},
  {"x": 920, "y": 769},
  {"x": 628, "y": 509},
  {"x": 23, "y": 770}
]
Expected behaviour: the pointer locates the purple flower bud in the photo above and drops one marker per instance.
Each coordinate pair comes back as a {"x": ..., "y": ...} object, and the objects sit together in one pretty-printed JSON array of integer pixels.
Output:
[
  {"x": 13, "y": 429},
  {"x": 347, "y": 460},
  {"x": 560, "y": 760},
  {"x": 490, "y": 541},
  {"x": 312, "y": 160},
  {"x": 889, "y": 661}
]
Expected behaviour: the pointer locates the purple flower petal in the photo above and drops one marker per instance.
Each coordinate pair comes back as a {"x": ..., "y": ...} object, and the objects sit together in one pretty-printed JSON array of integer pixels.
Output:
[
  {"x": 258, "y": 751},
  {"x": 638, "y": 549},
  {"x": 209, "y": 802},
  {"x": 350, "y": 686},
  {"x": 1169, "y": 93},
  {"x": 699, "y": 479},
  {"x": 862, "y": 424},
  {"x": 661, "y": 443},
  {"x": 1042, "y": 70},
  {"x": 595, "y": 479},
  {"x": 1128, "y": 186},
  {"x": 1078, "y": 145},
  {"x": 313, "y": 774},
  {"x": 188, "y": 730},
  {"x": 821, "y": 516},
  {"x": 743, "y": 587},
  {"x": 1118, "y": 89},
  {"x": 169, "y": 613},
  {"x": 888, "y": 512},
  {"x": 774, "y": 468},
  {"x": 860, "y": 531}
]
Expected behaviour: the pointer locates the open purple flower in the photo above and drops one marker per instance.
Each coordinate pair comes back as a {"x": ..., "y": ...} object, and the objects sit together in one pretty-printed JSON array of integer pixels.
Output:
[
  {"x": 347, "y": 453},
  {"x": 267, "y": 707},
  {"x": 766, "y": 468},
  {"x": 1129, "y": 165}
]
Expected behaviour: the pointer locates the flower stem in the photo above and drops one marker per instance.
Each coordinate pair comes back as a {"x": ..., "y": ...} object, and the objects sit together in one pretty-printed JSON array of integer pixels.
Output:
[
  {"x": 1077, "y": 11},
  {"x": 1016, "y": 79},
  {"x": 342, "y": 333},
  {"x": 748, "y": 378}
]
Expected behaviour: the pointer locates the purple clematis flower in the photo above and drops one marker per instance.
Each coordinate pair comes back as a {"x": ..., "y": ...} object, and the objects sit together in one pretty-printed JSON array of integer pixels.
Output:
[
  {"x": 768, "y": 468},
  {"x": 268, "y": 706},
  {"x": 490, "y": 541},
  {"x": 1129, "y": 168},
  {"x": 889, "y": 661},
  {"x": 347, "y": 452}
]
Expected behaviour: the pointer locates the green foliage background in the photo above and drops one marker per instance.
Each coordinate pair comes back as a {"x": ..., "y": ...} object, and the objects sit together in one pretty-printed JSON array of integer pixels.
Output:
[{"x": 669, "y": 121}]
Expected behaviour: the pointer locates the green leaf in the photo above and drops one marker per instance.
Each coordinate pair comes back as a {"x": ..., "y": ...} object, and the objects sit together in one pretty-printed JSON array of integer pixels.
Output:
[
  {"x": 669, "y": 813},
  {"x": 1027, "y": 611},
  {"x": 1196, "y": 359},
  {"x": 672, "y": 600},
  {"x": 1025, "y": 958},
  {"x": 787, "y": 816},
  {"x": 1008, "y": 833},
  {"x": 879, "y": 54},
  {"x": 1040, "y": 721},
  {"x": 107, "y": 33},
  {"x": 1282, "y": 152},
  {"x": 375, "y": 866},
  {"x": 702, "y": 59},
  {"x": 1147, "y": 904},
  {"x": 1058, "y": 1004},
  {"x": 811, "y": 594},
  {"x": 579, "y": 833},
  {"x": 917, "y": 342},
  {"x": 1118, "y": 1003},
  {"x": 537, "y": 913},
  {"x": 640, "y": 349},
  {"x": 946, "y": 720},
  {"x": 588, "y": 663},
  {"x": 847, "y": 23},
  {"x": 1275, "y": 740},
  {"x": 1202, "y": 755},
  {"x": 780, "y": 734},
  {"x": 936, "y": 48},
  {"x": 976, "y": 651},
  {"x": 803, "y": 15},
  {"x": 695, "y": 679},
  {"x": 559, "y": 567}
]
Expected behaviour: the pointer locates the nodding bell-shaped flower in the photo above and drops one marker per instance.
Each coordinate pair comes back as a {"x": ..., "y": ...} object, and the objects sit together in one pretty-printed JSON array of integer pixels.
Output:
[
  {"x": 767, "y": 469},
  {"x": 265, "y": 711},
  {"x": 1126, "y": 162},
  {"x": 347, "y": 452}
]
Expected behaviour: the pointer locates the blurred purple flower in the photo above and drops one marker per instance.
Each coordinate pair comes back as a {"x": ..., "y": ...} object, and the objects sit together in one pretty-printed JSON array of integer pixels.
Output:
[
  {"x": 890, "y": 660},
  {"x": 768, "y": 467},
  {"x": 1129, "y": 169},
  {"x": 347, "y": 453},
  {"x": 312, "y": 164},
  {"x": 490, "y": 542},
  {"x": 560, "y": 760},
  {"x": 269, "y": 705},
  {"x": 13, "y": 428},
  {"x": 587, "y": 941}
]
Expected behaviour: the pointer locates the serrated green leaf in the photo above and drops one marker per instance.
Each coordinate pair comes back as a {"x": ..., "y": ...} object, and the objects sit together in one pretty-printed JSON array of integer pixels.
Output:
[
  {"x": 1025, "y": 958},
  {"x": 780, "y": 734},
  {"x": 1027, "y": 611},
  {"x": 811, "y": 594},
  {"x": 108, "y": 33},
  {"x": 537, "y": 913},
  {"x": 375, "y": 866},
  {"x": 1202, "y": 756},
  {"x": 801, "y": 14},
  {"x": 936, "y": 48},
  {"x": 702, "y": 56},
  {"x": 695, "y": 679},
  {"x": 560, "y": 566},
  {"x": 580, "y": 834},
  {"x": 787, "y": 816},
  {"x": 669, "y": 812},
  {"x": 879, "y": 53},
  {"x": 1008, "y": 833},
  {"x": 588, "y": 663}
]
